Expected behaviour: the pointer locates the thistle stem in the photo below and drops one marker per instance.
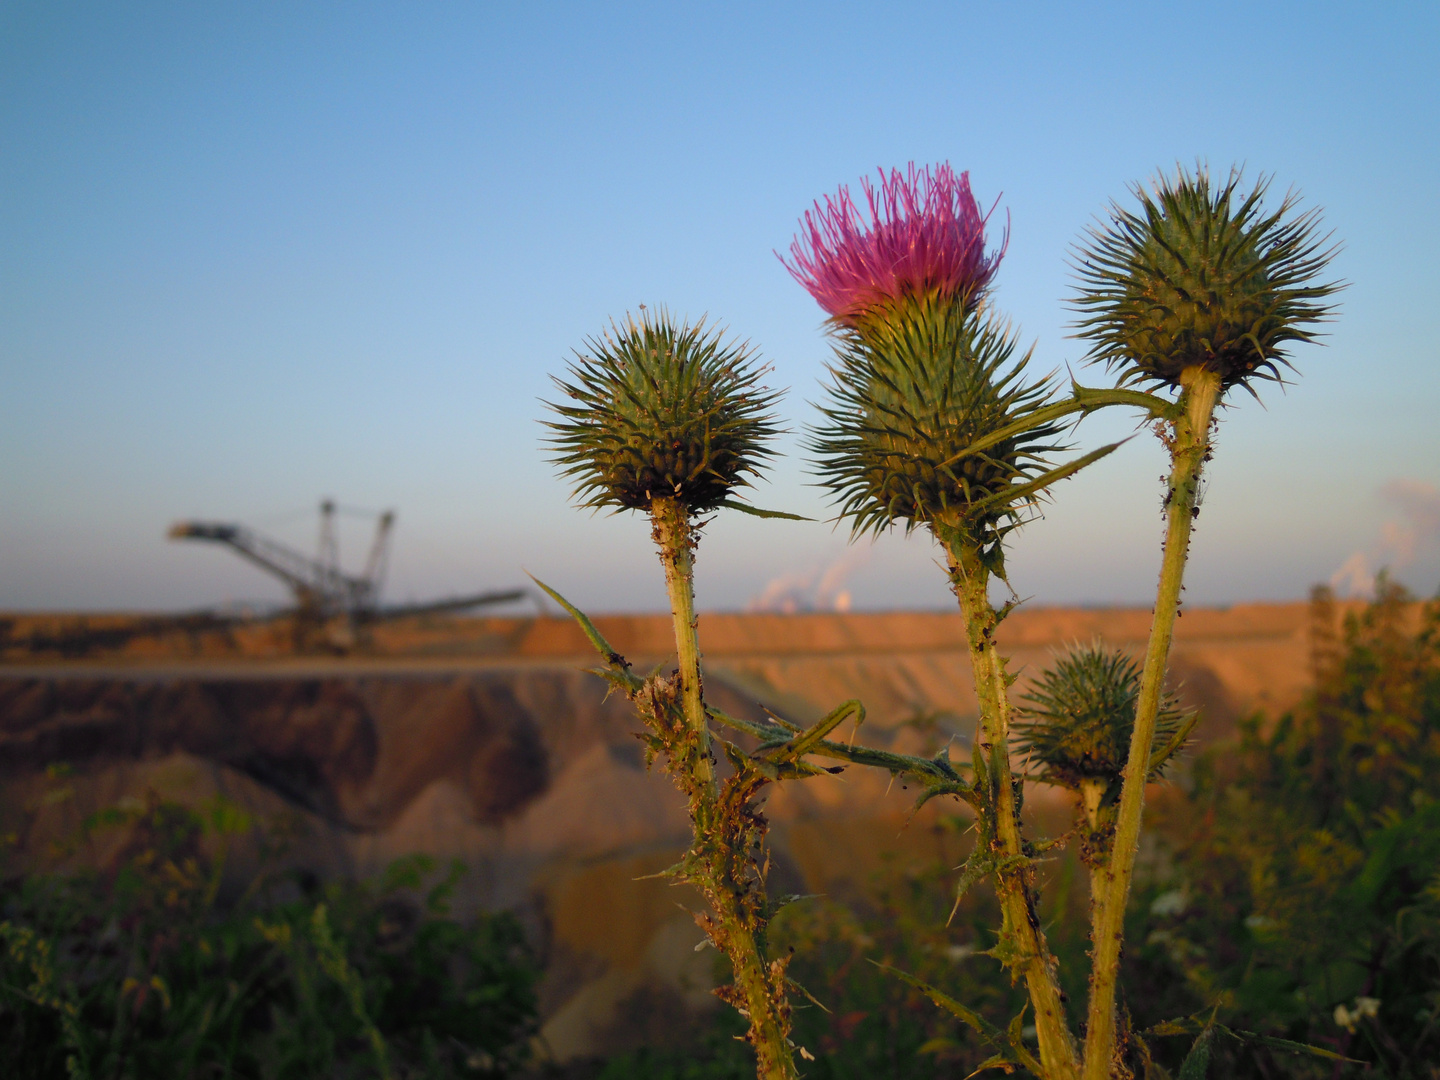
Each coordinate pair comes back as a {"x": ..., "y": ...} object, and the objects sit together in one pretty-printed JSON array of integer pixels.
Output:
[
  {"x": 718, "y": 868},
  {"x": 1015, "y": 886},
  {"x": 1092, "y": 793},
  {"x": 1200, "y": 392},
  {"x": 675, "y": 537},
  {"x": 1095, "y": 846}
]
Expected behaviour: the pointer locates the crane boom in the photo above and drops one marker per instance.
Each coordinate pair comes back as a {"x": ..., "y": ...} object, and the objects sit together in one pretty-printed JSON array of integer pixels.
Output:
[
  {"x": 378, "y": 562},
  {"x": 322, "y": 590},
  {"x": 457, "y": 603},
  {"x": 315, "y": 585}
]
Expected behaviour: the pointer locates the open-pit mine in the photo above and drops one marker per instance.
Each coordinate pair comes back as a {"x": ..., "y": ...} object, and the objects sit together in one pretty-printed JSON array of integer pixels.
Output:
[{"x": 484, "y": 739}]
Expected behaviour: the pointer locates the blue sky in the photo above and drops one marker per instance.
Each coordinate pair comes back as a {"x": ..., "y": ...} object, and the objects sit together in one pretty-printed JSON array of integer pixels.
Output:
[{"x": 252, "y": 255}]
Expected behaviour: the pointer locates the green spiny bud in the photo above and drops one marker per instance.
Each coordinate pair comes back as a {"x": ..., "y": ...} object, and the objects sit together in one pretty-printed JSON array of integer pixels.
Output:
[
  {"x": 912, "y": 390},
  {"x": 1201, "y": 277},
  {"x": 1078, "y": 717},
  {"x": 661, "y": 411}
]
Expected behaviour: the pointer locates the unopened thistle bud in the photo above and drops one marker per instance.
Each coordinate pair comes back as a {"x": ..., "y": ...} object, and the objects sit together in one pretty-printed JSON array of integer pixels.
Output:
[
  {"x": 1077, "y": 719},
  {"x": 660, "y": 411},
  {"x": 1201, "y": 276},
  {"x": 916, "y": 391}
]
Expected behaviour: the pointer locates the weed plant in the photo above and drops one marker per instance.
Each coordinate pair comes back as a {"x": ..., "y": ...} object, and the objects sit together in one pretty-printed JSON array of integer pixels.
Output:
[
  {"x": 933, "y": 421},
  {"x": 1303, "y": 898}
]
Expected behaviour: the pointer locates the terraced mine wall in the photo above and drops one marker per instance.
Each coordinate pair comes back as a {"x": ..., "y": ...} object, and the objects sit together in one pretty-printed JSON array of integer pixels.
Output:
[{"x": 484, "y": 740}]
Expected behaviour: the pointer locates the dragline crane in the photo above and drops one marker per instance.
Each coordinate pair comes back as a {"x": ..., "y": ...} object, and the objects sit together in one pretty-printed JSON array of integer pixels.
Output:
[{"x": 322, "y": 591}]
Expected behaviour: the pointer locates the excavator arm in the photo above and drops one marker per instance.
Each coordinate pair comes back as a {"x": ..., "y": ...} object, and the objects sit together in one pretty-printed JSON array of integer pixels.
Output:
[{"x": 305, "y": 577}]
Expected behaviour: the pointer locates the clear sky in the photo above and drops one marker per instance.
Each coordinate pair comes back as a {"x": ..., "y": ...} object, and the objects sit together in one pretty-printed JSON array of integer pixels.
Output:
[{"x": 256, "y": 254}]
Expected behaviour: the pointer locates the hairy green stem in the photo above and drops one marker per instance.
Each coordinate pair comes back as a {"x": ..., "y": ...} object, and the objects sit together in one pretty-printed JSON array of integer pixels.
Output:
[
  {"x": 675, "y": 537},
  {"x": 1026, "y": 945},
  {"x": 1189, "y": 449},
  {"x": 735, "y": 920},
  {"x": 1095, "y": 844}
]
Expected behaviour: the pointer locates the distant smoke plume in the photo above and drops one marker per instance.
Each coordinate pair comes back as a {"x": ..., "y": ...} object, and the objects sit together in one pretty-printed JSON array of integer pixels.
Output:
[
  {"x": 1413, "y": 534},
  {"x": 821, "y": 588}
]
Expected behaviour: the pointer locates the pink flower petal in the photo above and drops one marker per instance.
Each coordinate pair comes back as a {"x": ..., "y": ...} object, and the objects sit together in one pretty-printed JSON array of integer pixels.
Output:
[{"x": 925, "y": 233}]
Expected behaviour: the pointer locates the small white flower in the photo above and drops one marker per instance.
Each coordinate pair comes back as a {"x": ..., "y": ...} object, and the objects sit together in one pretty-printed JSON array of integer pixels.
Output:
[
  {"x": 1170, "y": 903},
  {"x": 1364, "y": 1006}
]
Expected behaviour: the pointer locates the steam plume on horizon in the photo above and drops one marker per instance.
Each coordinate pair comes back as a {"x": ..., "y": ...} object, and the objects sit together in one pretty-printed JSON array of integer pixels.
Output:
[
  {"x": 1404, "y": 539},
  {"x": 820, "y": 588}
]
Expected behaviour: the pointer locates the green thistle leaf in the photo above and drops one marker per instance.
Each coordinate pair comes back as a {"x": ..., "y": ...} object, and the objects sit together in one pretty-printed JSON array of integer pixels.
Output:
[{"x": 755, "y": 511}]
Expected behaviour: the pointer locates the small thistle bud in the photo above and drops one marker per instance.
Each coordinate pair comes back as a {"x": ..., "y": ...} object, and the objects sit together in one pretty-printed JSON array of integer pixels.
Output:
[
  {"x": 660, "y": 411},
  {"x": 1078, "y": 717},
  {"x": 1201, "y": 276},
  {"x": 1076, "y": 726}
]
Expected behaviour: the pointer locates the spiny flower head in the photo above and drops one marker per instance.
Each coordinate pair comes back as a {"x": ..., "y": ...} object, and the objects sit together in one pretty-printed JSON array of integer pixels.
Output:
[
  {"x": 1079, "y": 715},
  {"x": 1201, "y": 276},
  {"x": 907, "y": 397},
  {"x": 659, "y": 410},
  {"x": 925, "y": 235}
]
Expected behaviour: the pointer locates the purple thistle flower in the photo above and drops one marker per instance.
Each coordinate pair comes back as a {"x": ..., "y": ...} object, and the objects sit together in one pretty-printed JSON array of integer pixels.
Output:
[{"x": 926, "y": 234}]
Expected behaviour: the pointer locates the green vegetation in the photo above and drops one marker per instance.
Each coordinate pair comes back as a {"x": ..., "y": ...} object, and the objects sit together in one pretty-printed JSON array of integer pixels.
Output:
[
  {"x": 135, "y": 968},
  {"x": 1291, "y": 895},
  {"x": 1304, "y": 897}
]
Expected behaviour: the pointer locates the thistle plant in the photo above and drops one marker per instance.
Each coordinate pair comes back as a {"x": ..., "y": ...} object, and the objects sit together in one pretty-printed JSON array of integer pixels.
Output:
[
  {"x": 930, "y": 423},
  {"x": 670, "y": 420},
  {"x": 1197, "y": 292}
]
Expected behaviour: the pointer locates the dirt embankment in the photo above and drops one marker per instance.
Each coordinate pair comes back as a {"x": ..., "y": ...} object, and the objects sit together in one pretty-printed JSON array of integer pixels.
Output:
[{"x": 482, "y": 739}]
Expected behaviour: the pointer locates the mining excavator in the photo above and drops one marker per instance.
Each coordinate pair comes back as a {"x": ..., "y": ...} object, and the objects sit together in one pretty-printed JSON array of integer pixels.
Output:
[{"x": 333, "y": 609}]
